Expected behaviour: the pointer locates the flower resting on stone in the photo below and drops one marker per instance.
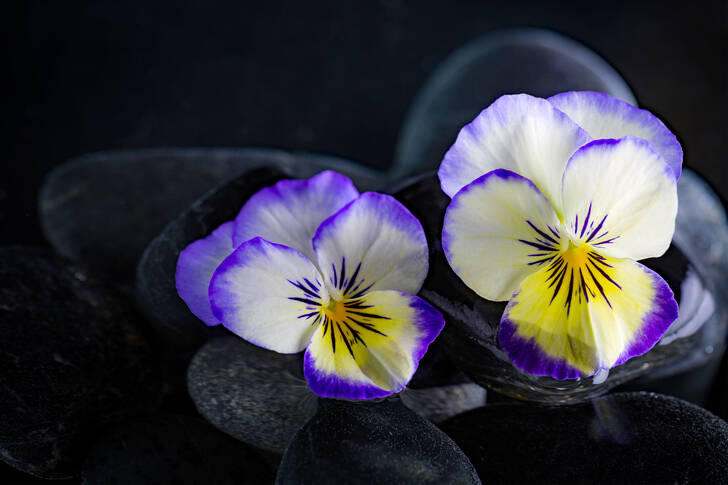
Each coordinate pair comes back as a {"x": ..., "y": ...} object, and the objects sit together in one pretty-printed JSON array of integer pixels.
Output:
[
  {"x": 311, "y": 264},
  {"x": 553, "y": 202}
]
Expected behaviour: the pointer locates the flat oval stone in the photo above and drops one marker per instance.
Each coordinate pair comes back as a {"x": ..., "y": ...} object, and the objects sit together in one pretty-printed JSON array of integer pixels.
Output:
[
  {"x": 173, "y": 449},
  {"x": 532, "y": 61},
  {"x": 101, "y": 210},
  {"x": 74, "y": 358},
  {"x": 372, "y": 442},
  {"x": 256, "y": 395},
  {"x": 620, "y": 438}
]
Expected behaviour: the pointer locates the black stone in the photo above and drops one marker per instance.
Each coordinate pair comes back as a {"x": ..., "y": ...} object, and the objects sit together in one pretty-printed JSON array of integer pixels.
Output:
[
  {"x": 620, "y": 438},
  {"x": 73, "y": 357},
  {"x": 532, "y": 61},
  {"x": 256, "y": 395},
  {"x": 173, "y": 449},
  {"x": 155, "y": 284},
  {"x": 372, "y": 442},
  {"x": 470, "y": 333},
  {"x": 101, "y": 210}
]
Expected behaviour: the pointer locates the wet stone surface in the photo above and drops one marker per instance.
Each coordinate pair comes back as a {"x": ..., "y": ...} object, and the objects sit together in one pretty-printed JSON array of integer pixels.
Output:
[
  {"x": 372, "y": 442},
  {"x": 102, "y": 209},
  {"x": 256, "y": 395},
  {"x": 620, "y": 438},
  {"x": 74, "y": 357},
  {"x": 173, "y": 449}
]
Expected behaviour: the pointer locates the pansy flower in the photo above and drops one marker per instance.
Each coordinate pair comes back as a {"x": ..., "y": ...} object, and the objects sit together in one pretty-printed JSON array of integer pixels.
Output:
[
  {"x": 553, "y": 202},
  {"x": 311, "y": 264}
]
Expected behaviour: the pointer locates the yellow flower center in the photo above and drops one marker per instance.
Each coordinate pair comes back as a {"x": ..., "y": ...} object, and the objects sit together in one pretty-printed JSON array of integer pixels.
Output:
[
  {"x": 576, "y": 254},
  {"x": 335, "y": 310}
]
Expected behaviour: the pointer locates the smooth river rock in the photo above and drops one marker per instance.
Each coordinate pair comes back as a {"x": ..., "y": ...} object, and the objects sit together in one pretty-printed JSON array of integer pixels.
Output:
[{"x": 256, "y": 395}]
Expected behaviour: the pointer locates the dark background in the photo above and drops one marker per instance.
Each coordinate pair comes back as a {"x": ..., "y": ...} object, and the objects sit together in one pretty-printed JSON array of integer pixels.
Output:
[{"x": 337, "y": 78}]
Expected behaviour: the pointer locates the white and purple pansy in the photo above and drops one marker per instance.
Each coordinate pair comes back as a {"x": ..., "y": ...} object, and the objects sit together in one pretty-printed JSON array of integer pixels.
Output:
[
  {"x": 553, "y": 202},
  {"x": 312, "y": 264}
]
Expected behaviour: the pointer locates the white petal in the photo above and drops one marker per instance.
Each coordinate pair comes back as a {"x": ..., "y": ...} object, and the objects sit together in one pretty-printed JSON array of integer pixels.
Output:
[
  {"x": 290, "y": 211},
  {"x": 621, "y": 197},
  {"x": 269, "y": 294},
  {"x": 520, "y": 133},
  {"x": 604, "y": 116},
  {"x": 374, "y": 243},
  {"x": 498, "y": 230}
]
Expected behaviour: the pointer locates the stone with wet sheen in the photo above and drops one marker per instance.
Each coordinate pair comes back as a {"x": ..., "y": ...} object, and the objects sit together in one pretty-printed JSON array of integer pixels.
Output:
[
  {"x": 372, "y": 442},
  {"x": 74, "y": 358},
  {"x": 620, "y": 438}
]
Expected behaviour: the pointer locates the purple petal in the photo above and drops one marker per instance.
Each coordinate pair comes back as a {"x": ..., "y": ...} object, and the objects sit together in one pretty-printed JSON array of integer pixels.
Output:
[
  {"x": 520, "y": 133},
  {"x": 664, "y": 311},
  {"x": 195, "y": 267},
  {"x": 604, "y": 116},
  {"x": 290, "y": 211},
  {"x": 528, "y": 356}
]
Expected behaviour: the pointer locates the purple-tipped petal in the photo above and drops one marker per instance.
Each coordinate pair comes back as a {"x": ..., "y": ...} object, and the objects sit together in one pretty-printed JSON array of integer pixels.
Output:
[
  {"x": 664, "y": 311},
  {"x": 290, "y": 211},
  {"x": 269, "y": 294},
  {"x": 370, "y": 347},
  {"x": 585, "y": 314},
  {"x": 604, "y": 116},
  {"x": 528, "y": 356},
  {"x": 374, "y": 243},
  {"x": 195, "y": 267},
  {"x": 520, "y": 133}
]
